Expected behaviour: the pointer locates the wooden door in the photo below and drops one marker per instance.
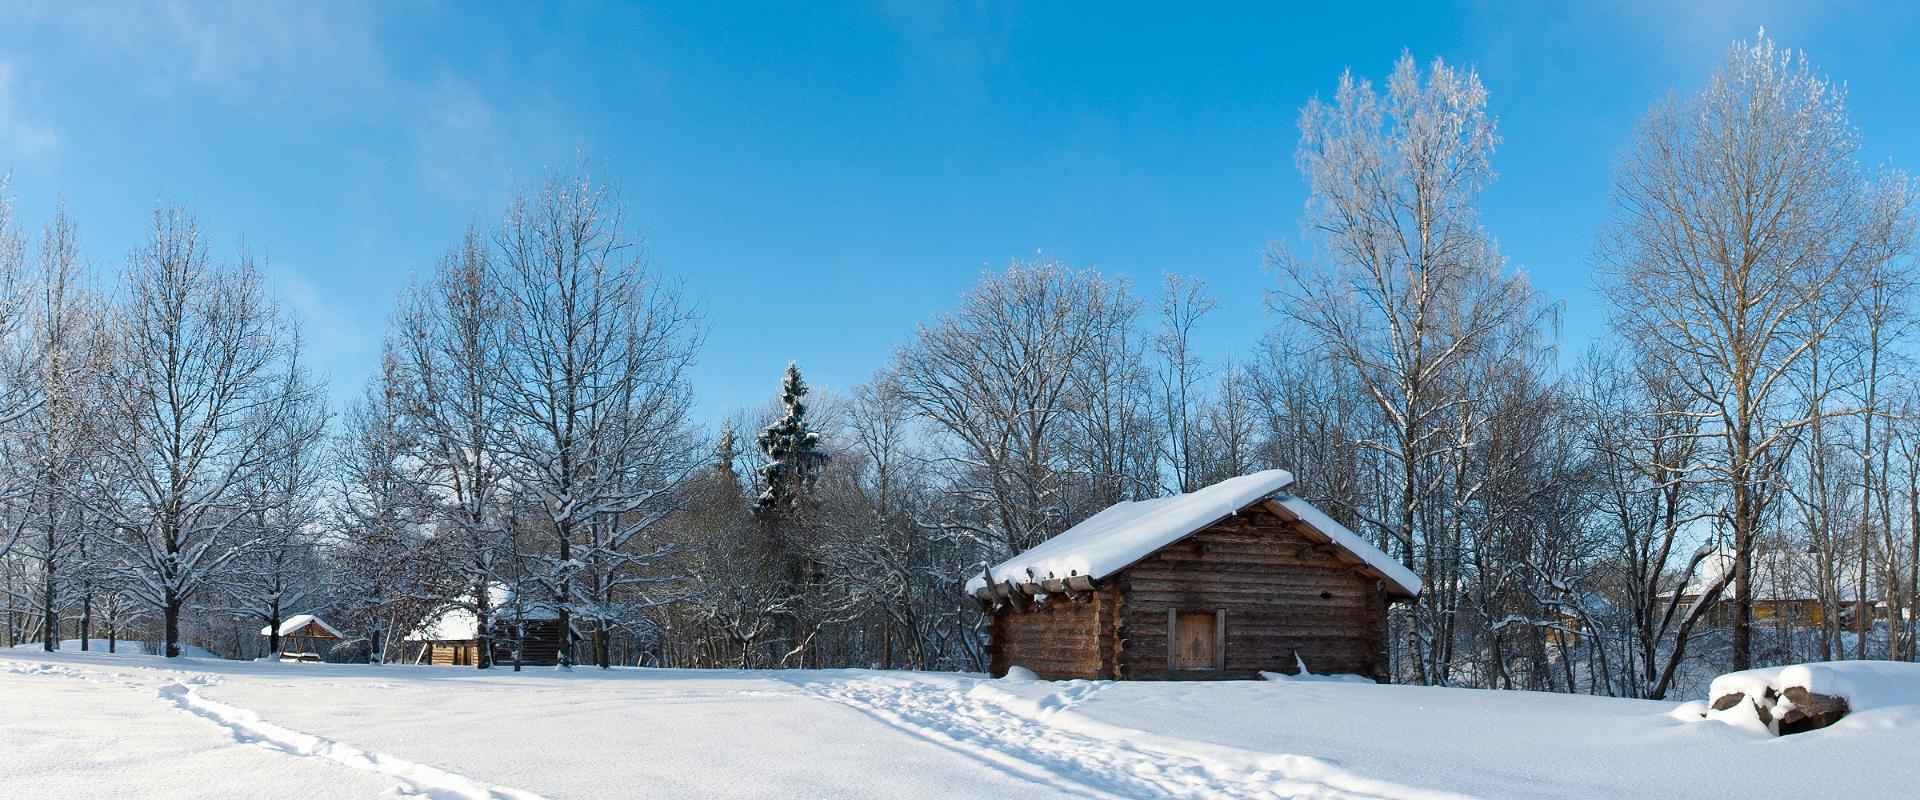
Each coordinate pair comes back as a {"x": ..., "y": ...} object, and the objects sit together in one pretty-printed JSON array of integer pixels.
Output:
[{"x": 1193, "y": 636}]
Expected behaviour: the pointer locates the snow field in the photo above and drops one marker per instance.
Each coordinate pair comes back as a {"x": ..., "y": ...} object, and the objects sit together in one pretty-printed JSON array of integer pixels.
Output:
[{"x": 76, "y": 725}]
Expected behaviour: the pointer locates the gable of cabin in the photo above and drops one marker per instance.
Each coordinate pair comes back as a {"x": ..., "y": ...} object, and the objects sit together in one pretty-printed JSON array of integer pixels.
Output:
[{"x": 1249, "y": 594}]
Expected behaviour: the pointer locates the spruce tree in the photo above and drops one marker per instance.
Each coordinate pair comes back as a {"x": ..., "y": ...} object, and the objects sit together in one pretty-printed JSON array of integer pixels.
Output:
[
  {"x": 723, "y": 458},
  {"x": 794, "y": 458}
]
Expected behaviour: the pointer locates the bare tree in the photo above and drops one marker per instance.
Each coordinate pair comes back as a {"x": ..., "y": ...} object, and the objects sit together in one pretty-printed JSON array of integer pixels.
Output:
[
  {"x": 593, "y": 383},
  {"x": 1886, "y": 284},
  {"x": 196, "y": 384},
  {"x": 1000, "y": 377},
  {"x": 1643, "y": 447},
  {"x": 281, "y": 571},
  {"x": 1408, "y": 293},
  {"x": 383, "y": 565},
  {"x": 1112, "y": 431},
  {"x": 1184, "y": 301},
  {"x": 1737, "y": 216}
]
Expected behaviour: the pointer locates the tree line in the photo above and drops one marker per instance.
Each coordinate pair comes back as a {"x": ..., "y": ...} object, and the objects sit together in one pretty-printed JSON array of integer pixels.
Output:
[{"x": 1605, "y": 521}]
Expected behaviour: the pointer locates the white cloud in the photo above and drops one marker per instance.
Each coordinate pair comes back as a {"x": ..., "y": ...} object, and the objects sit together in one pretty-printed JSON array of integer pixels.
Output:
[
  {"x": 249, "y": 50},
  {"x": 21, "y": 138},
  {"x": 458, "y": 137},
  {"x": 332, "y": 331}
]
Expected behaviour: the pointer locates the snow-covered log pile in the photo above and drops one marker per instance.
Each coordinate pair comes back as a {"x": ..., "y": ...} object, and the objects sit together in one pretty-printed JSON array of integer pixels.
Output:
[{"x": 1804, "y": 697}]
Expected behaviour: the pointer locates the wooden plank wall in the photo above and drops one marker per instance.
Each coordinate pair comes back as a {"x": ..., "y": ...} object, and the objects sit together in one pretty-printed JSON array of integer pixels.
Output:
[
  {"x": 539, "y": 646},
  {"x": 1283, "y": 594}
]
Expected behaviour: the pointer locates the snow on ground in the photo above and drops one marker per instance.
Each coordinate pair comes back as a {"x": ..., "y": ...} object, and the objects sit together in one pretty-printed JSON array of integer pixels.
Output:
[
  {"x": 74, "y": 724},
  {"x": 122, "y": 647},
  {"x": 69, "y": 732}
]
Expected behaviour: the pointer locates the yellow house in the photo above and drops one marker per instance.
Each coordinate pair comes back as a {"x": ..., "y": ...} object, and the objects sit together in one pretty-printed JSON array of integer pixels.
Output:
[{"x": 1786, "y": 588}]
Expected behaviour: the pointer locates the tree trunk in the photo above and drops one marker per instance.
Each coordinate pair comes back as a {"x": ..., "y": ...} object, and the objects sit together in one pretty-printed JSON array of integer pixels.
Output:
[
  {"x": 273, "y": 628},
  {"x": 172, "y": 616},
  {"x": 50, "y": 637},
  {"x": 483, "y": 621}
]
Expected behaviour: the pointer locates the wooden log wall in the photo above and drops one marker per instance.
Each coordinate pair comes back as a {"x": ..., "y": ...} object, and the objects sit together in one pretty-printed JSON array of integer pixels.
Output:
[
  {"x": 450, "y": 653},
  {"x": 1058, "y": 638},
  {"x": 1282, "y": 592}
]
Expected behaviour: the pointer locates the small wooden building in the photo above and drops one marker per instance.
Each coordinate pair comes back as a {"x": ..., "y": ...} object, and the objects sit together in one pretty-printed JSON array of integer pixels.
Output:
[
  {"x": 1225, "y": 582},
  {"x": 450, "y": 636},
  {"x": 1786, "y": 589},
  {"x": 305, "y": 637}
]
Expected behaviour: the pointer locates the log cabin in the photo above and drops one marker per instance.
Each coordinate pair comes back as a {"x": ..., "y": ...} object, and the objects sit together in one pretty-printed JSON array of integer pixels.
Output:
[
  {"x": 1225, "y": 582},
  {"x": 450, "y": 636}
]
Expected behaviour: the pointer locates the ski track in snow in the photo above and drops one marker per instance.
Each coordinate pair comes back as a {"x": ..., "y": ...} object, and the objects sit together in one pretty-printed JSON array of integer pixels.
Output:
[
  {"x": 1043, "y": 741},
  {"x": 247, "y": 728}
]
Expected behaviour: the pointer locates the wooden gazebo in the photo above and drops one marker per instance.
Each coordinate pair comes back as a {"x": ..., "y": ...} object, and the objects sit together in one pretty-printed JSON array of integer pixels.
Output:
[{"x": 304, "y": 637}]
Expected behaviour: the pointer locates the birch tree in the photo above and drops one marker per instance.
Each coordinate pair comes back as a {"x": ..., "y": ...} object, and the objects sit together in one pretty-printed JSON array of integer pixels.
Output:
[
  {"x": 1737, "y": 219},
  {"x": 1404, "y": 289}
]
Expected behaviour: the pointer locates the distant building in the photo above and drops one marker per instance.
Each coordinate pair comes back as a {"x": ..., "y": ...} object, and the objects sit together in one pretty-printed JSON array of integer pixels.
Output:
[
  {"x": 1786, "y": 588},
  {"x": 450, "y": 636},
  {"x": 1228, "y": 581}
]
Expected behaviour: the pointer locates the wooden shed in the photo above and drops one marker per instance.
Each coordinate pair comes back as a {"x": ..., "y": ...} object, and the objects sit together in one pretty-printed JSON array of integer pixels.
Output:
[
  {"x": 1225, "y": 582},
  {"x": 450, "y": 636}
]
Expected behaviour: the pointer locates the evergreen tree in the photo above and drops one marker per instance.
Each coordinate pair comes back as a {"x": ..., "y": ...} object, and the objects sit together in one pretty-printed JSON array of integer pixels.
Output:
[
  {"x": 794, "y": 459},
  {"x": 724, "y": 456}
]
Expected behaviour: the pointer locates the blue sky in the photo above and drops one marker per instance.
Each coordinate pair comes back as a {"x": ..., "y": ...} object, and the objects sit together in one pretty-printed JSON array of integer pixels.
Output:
[{"x": 823, "y": 179}]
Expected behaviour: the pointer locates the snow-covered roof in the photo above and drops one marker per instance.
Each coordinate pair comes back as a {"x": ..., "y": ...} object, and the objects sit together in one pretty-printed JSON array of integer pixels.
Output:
[
  {"x": 294, "y": 623},
  {"x": 1125, "y": 533},
  {"x": 1778, "y": 574},
  {"x": 456, "y": 621}
]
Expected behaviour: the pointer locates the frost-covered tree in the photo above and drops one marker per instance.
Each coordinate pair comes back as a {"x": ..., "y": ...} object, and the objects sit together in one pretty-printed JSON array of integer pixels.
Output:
[
  {"x": 593, "y": 385},
  {"x": 447, "y": 345},
  {"x": 59, "y": 355},
  {"x": 792, "y": 449},
  {"x": 1740, "y": 222},
  {"x": 195, "y": 387},
  {"x": 19, "y": 394},
  {"x": 1406, "y": 293}
]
